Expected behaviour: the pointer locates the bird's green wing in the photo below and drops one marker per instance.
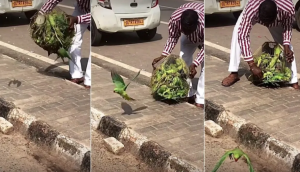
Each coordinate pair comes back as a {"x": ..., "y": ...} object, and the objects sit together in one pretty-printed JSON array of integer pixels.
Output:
[
  {"x": 126, "y": 97},
  {"x": 249, "y": 163},
  {"x": 117, "y": 80},
  {"x": 133, "y": 79},
  {"x": 221, "y": 161}
]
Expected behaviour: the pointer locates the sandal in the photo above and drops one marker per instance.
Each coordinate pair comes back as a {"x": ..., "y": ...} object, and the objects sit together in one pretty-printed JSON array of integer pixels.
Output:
[
  {"x": 230, "y": 80},
  {"x": 295, "y": 86}
]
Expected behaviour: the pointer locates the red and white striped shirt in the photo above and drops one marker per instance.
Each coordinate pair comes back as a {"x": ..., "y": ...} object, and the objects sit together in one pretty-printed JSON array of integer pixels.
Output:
[
  {"x": 84, "y": 6},
  {"x": 175, "y": 30},
  {"x": 285, "y": 18}
]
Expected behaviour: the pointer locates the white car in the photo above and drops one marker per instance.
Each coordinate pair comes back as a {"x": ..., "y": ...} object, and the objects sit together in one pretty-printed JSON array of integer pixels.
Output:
[
  {"x": 29, "y": 7},
  {"x": 111, "y": 16},
  {"x": 224, "y": 6}
]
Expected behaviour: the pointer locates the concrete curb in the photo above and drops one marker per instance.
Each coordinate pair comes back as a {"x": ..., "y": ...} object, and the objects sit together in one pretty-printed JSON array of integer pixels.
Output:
[
  {"x": 253, "y": 137},
  {"x": 148, "y": 151},
  {"x": 46, "y": 136}
]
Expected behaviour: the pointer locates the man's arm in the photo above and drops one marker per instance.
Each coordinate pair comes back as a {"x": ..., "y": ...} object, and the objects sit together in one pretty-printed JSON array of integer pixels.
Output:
[
  {"x": 288, "y": 27},
  {"x": 49, "y": 5},
  {"x": 174, "y": 35},
  {"x": 85, "y": 18},
  {"x": 244, "y": 31},
  {"x": 200, "y": 57}
]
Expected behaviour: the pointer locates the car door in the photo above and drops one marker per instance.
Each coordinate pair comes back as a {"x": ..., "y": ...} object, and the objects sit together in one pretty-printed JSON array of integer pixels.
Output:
[{"x": 131, "y": 6}]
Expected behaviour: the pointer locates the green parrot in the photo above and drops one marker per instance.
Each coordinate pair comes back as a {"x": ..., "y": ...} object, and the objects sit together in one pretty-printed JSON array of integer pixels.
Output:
[
  {"x": 235, "y": 154},
  {"x": 120, "y": 87}
]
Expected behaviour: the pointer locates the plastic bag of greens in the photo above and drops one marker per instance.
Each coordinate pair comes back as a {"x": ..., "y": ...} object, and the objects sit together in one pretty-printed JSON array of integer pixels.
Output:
[
  {"x": 52, "y": 33},
  {"x": 169, "y": 80}
]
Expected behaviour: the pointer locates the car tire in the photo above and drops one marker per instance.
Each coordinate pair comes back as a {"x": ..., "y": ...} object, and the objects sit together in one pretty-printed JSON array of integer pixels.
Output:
[
  {"x": 30, "y": 14},
  {"x": 146, "y": 35},
  {"x": 96, "y": 35},
  {"x": 236, "y": 14}
]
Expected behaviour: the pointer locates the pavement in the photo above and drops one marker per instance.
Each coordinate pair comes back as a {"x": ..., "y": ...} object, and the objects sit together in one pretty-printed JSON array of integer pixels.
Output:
[
  {"x": 62, "y": 104},
  {"x": 178, "y": 128}
]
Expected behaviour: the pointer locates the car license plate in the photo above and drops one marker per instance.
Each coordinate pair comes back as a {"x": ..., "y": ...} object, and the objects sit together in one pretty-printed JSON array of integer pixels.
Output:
[
  {"x": 133, "y": 22},
  {"x": 225, "y": 4},
  {"x": 21, "y": 3}
]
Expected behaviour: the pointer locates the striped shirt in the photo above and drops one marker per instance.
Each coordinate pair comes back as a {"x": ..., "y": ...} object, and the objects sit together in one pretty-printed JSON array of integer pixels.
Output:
[
  {"x": 175, "y": 30},
  {"x": 84, "y": 6},
  {"x": 285, "y": 19}
]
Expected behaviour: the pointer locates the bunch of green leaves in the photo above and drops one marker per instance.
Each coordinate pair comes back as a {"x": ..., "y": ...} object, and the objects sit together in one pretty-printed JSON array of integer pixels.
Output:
[
  {"x": 273, "y": 67},
  {"x": 54, "y": 35},
  {"x": 168, "y": 81}
]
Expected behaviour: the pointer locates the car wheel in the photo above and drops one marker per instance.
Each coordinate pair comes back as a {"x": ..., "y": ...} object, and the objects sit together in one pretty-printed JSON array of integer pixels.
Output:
[
  {"x": 30, "y": 14},
  {"x": 236, "y": 14},
  {"x": 96, "y": 35},
  {"x": 146, "y": 34}
]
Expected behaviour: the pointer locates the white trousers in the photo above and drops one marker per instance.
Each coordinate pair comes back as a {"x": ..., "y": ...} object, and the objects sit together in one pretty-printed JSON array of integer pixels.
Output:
[
  {"x": 235, "y": 51},
  {"x": 75, "y": 51},
  {"x": 187, "y": 50}
]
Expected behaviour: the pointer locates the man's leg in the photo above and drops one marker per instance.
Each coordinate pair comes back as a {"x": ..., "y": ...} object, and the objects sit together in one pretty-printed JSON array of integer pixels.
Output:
[
  {"x": 75, "y": 50},
  {"x": 200, "y": 88},
  {"x": 187, "y": 50},
  {"x": 88, "y": 75},
  {"x": 235, "y": 56},
  {"x": 276, "y": 33}
]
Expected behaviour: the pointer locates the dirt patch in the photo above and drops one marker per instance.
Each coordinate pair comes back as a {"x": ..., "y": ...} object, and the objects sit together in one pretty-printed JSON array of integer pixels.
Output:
[
  {"x": 216, "y": 147},
  {"x": 103, "y": 160},
  {"x": 15, "y": 155}
]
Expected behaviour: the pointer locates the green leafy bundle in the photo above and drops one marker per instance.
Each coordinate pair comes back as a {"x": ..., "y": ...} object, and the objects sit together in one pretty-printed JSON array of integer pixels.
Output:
[
  {"x": 274, "y": 68},
  {"x": 52, "y": 33},
  {"x": 169, "y": 80}
]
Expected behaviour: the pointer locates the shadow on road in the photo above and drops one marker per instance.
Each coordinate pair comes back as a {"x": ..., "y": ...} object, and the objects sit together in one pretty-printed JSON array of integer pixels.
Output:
[
  {"x": 125, "y": 39},
  {"x": 219, "y": 20},
  {"x": 15, "y": 19}
]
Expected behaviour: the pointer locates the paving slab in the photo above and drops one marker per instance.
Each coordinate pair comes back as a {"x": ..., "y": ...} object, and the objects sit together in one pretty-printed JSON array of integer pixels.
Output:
[
  {"x": 178, "y": 128},
  {"x": 276, "y": 111},
  {"x": 60, "y": 103}
]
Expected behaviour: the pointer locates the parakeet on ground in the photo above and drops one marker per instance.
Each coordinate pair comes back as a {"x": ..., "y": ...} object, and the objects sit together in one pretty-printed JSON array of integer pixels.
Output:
[{"x": 235, "y": 154}]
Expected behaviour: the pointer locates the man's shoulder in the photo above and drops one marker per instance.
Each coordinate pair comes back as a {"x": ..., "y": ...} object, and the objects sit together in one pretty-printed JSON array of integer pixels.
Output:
[{"x": 285, "y": 5}]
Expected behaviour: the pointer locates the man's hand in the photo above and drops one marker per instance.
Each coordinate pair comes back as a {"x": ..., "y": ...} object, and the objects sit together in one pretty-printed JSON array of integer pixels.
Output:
[
  {"x": 193, "y": 70},
  {"x": 156, "y": 60},
  {"x": 288, "y": 53},
  {"x": 256, "y": 71},
  {"x": 72, "y": 21}
]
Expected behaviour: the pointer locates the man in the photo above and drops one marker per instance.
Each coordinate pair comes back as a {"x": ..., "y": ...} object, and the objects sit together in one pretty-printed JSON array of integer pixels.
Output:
[
  {"x": 81, "y": 17},
  {"x": 278, "y": 16},
  {"x": 189, "y": 20}
]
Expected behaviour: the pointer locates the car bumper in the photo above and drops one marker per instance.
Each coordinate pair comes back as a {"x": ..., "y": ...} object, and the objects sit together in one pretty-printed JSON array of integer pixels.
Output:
[
  {"x": 213, "y": 6},
  {"x": 107, "y": 21},
  {"x": 6, "y": 6}
]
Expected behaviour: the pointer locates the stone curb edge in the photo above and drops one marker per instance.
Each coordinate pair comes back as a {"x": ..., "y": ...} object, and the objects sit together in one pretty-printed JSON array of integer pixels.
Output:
[
  {"x": 44, "y": 135},
  {"x": 149, "y": 151},
  {"x": 253, "y": 137}
]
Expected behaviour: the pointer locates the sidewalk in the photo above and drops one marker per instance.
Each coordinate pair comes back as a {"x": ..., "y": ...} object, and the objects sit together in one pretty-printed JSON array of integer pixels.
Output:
[
  {"x": 63, "y": 105},
  {"x": 178, "y": 128},
  {"x": 276, "y": 111}
]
